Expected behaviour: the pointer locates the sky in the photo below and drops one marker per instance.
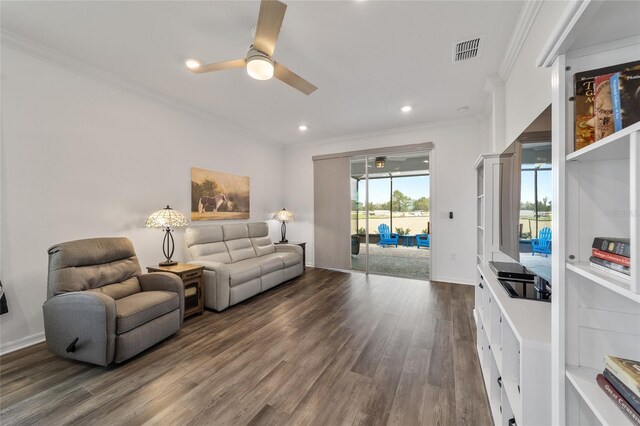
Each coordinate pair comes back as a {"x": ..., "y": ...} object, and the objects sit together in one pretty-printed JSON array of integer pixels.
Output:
[
  {"x": 528, "y": 186},
  {"x": 379, "y": 189}
]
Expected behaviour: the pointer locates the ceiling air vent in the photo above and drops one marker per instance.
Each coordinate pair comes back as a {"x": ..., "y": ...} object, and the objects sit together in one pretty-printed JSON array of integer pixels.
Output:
[{"x": 467, "y": 49}]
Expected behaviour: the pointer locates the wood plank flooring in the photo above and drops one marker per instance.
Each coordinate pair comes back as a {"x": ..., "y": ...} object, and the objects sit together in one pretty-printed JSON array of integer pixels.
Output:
[{"x": 328, "y": 348}]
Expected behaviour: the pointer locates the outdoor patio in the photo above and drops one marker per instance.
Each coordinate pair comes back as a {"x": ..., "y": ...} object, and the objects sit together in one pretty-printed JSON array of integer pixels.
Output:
[{"x": 409, "y": 262}]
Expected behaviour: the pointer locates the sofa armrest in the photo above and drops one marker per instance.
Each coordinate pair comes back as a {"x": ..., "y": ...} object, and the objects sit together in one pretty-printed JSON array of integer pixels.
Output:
[
  {"x": 86, "y": 315},
  {"x": 164, "y": 281},
  {"x": 216, "y": 284},
  {"x": 289, "y": 247}
]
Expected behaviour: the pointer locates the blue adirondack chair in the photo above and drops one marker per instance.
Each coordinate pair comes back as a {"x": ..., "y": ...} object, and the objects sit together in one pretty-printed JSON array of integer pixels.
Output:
[
  {"x": 386, "y": 237},
  {"x": 423, "y": 240},
  {"x": 542, "y": 244}
]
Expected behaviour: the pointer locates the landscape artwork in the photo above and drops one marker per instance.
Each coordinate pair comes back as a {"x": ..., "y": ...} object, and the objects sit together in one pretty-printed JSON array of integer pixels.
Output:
[{"x": 218, "y": 195}]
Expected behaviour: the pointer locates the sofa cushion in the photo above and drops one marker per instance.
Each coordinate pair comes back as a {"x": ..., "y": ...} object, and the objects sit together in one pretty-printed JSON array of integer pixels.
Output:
[
  {"x": 92, "y": 263},
  {"x": 214, "y": 252},
  {"x": 258, "y": 229},
  {"x": 289, "y": 258},
  {"x": 270, "y": 263},
  {"x": 137, "y": 309},
  {"x": 243, "y": 271},
  {"x": 120, "y": 290},
  {"x": 240, "y": 249},
  {"x": 263, "y": 245},
  {"x": 233, "y": 231},
  {"x": 203, "y": 234}
]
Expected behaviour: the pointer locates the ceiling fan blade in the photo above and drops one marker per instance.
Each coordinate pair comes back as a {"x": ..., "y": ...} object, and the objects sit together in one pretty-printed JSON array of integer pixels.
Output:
[
  {"x": 219, "y": 66},
  {"x": 268, "y": 26},
  {"x": 285, "y": 75}
]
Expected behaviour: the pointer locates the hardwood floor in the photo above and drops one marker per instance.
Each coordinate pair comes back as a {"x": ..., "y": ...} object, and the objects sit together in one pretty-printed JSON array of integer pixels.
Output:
[{"x": 327, "y": 348}]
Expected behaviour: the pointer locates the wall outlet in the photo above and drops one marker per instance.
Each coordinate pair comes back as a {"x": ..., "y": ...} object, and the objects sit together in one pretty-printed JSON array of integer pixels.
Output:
[{"x": 452, "y": 256}]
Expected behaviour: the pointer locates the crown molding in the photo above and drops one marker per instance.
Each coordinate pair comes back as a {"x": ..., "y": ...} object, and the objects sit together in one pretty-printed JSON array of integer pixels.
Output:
[
  {"x": 51, "y": 56},
  {"x": 492, "y": 83},
  {"x": 388, "y": 131},
  {"x": 526, "y": 18}
]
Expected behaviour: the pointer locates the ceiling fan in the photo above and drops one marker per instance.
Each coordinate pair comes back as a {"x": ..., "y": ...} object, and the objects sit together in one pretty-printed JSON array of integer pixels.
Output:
[{"x": 259, "y": 61}]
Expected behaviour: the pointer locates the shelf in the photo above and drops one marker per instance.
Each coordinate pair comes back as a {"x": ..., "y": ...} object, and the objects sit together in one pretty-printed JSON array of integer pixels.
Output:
[
  {"x": 515, "y": 400},
  {"x": 497, "y": 356},
  {"x": 613, "y": 147},
  {"x": 584, "y": 381},
  {"x": 610, "y": 281}
]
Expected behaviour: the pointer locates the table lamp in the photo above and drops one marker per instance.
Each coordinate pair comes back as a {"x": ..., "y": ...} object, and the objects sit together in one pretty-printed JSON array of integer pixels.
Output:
[
  {"x": 283, "y": 216},
  {"x": 167, "y": 218}
]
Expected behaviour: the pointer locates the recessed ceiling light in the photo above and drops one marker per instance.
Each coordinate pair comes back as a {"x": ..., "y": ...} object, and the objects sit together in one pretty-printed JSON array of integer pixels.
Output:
[
  {"x": 425, "y": 161},
  {"x": 193, "y": 64},
  {"x": 303, "y": 128},
  {"x": 406, "y": 108},
  {"x": 463, "y": 109}
]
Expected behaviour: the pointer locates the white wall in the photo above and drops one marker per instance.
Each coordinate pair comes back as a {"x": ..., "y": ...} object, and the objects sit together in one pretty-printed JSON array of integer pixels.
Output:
[
  {"x": 83, "y": 159},
  {"x": 528, "y": 88},
  {"x": 457, "y": 146}
]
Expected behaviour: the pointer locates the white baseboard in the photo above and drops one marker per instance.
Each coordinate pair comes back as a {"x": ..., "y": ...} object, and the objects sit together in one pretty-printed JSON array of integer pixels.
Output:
[
  {"x": 22, "y": 343},
  {"x": 454, "y": 280}
]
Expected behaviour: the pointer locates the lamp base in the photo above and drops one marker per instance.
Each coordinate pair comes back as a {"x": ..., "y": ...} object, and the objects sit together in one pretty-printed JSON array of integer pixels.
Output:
[
  {"x": 168, "y": 263},
  {"x": 283, "y": 241}
]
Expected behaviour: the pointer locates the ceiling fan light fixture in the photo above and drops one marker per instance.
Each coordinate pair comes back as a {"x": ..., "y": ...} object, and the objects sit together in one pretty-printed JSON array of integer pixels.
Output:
[
  {"x": 192, "y": 64},
  {"x": 259, "y": 65}
]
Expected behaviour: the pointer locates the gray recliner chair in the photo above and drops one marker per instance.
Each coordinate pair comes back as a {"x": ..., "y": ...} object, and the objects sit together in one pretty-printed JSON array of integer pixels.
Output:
[{"x": 101, "y": 308}]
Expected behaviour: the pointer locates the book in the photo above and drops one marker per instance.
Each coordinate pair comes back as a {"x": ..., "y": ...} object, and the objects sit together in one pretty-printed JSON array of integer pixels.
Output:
[
  {"x": 620, "y": 402},
  {"x": 629, "y": 88},
  {"x": 630, "y": 397},
  {"x": 609, "y": 271},
  {"x": 611, "y": 257},
  {"x": 626, "y": 370},
  {"x": 616, "y": 101},
  {"x": 603, "y": 108},
  {"x": 621, "y": 246},
  {"x": 610, "y": 265},
  {"x": 584, "y": 94}
]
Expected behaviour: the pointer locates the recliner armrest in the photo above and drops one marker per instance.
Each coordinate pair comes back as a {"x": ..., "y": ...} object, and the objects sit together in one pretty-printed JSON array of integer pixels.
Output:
[
  {"x": 164, "y": 281},
  {"x": 289, "y": 247},
  {"x": 216, "y": 284},
  {"x": 86, "y": 315}
]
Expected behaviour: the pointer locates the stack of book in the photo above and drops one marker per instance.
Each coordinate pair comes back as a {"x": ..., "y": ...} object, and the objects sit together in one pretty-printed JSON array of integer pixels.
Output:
[
  {"x": 606, "y": 100},
  {"x": 621, "y": 382},
  {"x": 611, "y": 255}
]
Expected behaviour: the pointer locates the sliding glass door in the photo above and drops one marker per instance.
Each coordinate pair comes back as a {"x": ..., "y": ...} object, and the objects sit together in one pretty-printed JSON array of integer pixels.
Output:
[{"x": 390, "y": 226}]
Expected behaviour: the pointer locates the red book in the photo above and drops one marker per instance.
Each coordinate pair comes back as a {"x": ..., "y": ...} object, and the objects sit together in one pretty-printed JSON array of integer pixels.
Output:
[
  {"x": 615, "y": 396},
  {"x": 615, "y": 258}
]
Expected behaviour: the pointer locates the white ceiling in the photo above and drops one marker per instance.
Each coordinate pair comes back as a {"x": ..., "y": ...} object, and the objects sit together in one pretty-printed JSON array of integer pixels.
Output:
[{"x": 367, "y": 58}]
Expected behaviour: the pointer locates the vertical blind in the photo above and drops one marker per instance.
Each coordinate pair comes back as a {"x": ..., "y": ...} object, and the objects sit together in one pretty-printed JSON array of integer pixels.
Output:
[{"x": 332, "y": 213}]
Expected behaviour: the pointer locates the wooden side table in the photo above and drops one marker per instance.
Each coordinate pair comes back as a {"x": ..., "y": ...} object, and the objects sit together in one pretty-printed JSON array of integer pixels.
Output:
[
  {"x": 304, "y": 251},
  {"x": 191, "y": 276}
]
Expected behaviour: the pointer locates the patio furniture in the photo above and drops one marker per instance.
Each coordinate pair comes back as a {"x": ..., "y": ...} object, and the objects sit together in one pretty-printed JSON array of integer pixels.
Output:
[
  {"x": 542, "y": 244},
  {"x": 355, "y": 245},
  {"x": 423, "y": 240},
  {"x": 387, "y": 238},
  {"x": 408, "y": 240}
]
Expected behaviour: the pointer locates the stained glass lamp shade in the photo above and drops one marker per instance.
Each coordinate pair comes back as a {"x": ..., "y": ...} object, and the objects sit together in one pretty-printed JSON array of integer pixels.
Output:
[
  {"x": 283, "y": 216},
  {"x": 167, "y": 218}
]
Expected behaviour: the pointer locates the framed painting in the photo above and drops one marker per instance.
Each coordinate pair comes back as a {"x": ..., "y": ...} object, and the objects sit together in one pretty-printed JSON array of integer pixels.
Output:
[{"x": 218, "y": 195}]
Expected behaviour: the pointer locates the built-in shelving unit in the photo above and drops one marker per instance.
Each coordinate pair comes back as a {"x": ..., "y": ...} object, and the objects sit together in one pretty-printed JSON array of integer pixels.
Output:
[
  {"x": 486, "y": 168},
  {"x": 513, "y": 336},
  {"x": 596, "y": 194},
  {"x": 514, "y": 349}
]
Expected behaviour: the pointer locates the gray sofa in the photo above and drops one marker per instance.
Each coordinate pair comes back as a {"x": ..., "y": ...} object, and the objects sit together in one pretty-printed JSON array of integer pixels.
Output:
[
  {"x": 240, "y": 261},
  {"x": 100, "y": 308}
]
